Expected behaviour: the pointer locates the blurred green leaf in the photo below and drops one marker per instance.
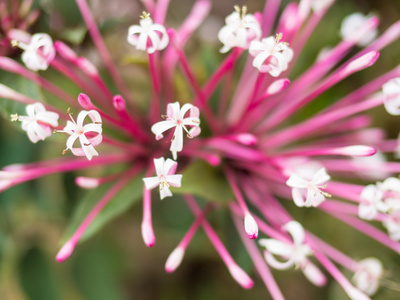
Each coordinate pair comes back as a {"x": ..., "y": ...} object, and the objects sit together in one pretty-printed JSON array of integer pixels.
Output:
[
  {"x": 117, "y": 206},
  {"x": 203, "y": 180},
  {"x": 37, "y": 278},
  {"x": 22, "y": 86}
]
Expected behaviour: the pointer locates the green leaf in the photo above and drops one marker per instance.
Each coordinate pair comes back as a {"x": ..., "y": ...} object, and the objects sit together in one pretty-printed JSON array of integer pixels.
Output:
[
  {"x": 37, "y": 277},
  {"x": 203, "y": 180},
  {"x": 117, "y": 206},
  {"x": 21, "y": 85}
]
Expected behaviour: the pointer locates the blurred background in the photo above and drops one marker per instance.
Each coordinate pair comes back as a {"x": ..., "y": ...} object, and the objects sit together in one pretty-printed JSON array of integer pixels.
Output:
[{"x": 114, "y": 264}]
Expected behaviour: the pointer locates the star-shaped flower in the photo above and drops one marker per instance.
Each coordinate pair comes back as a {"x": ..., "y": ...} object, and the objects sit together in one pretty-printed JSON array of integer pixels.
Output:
[
  {"x": 89, "y": 135},
  {"x": 165, "y": 178},
  {"x": 271, "y": 55},
  {"x": 295, "y": 253},
  {"x": 240, "y": 30},
  {"x": 39, "y": 53},
  {"x": 371, "y": 202},
  {"x": 312, "y": 188},
  {"x": 38, "y": 123},
  {"x": 148, "y": 36},
  {"x": 176, "y": 118}
]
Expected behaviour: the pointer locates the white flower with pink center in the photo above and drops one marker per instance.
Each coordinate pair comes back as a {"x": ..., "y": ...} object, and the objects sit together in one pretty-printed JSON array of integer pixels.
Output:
[
  {"x": 39, "y": 53},
  {"x": 148, "y": 36},
  {"x": 271, "y": 55},
  {"x": 366, "y": 278},
  {"x": 371, "y": 202},
  {"x": 308, "y": 192},
  {"x": 38, "y": 123},
  {"x": 176, "y": 118},
  {"x": 240, "y": 29},
  {"x": 89, "y": 135},
  {"x": 165, "y": 178},
  {"x": 294, "y": 253},
  {"x": 391, "y": 90},
  {"x": 355, "y": 29}
]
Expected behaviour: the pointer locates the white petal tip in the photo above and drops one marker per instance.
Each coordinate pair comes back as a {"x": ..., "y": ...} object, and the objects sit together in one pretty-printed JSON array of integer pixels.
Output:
[
  {"x": 87, "y": 182},
  {"x": 365, "y": 61},
  {"x": 174, "y": 260},
  {"x": 241, "y": 277},
  {"x": 357, "y": 151},
  {"x": 250, "y": 226},
  {"x": 148, "y": 235},
  {"x": 65, "y": 252}
]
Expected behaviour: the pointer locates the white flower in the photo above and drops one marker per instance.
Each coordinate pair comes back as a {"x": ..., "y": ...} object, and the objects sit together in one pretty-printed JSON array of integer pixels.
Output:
[
  {"x": 89, "y": 135},
  {"x": 175, "y": 118},
  {"x": 391, "y": 188},
  {"x": 354, "y": 29},
  {"x": 148, "y": 36},
  {"x": 295, "y": 253},
  {"x": 320, "y": 5},
  {"x": 391, "y": 90},
  {"x": 367, "y": 276},
  {"x": 39, "y": 53},
  {"x": 309, "y": 188},
  {"x": 371, "y": 202},
  {"x": 392, "y": 224},
  {"x": 271, "y": 55},
  {"x": 38, "y": 123},
  {"x": 239, "y": 31},
  {"x": 165, "y": 177}
]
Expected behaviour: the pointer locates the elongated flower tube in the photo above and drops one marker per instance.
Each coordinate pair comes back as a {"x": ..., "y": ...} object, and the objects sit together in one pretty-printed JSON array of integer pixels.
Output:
[
  {"x": 38, "y": 53},
  {"x": 240, "y": 29},
  {"x": 148, "y": 36},
  {"x": 165, "y": 178},
  {"x": 38, "y": 123}
]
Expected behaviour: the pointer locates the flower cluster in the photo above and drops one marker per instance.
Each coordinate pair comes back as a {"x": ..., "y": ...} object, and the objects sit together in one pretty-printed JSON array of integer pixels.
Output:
[{"x": 254, "y": 133}]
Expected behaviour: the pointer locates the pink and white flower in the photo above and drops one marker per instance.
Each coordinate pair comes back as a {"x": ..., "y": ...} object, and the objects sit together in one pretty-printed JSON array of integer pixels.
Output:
[
  {"x": 366, "y": 278},
  {"x": 148, "y": 36},
  {"x": 240, "y": 29},
  {"x": 354, "y": 29},
  {"x": 166, "y": 177},
  {"x": 39, "y": 53},
  {"x": 271, "y": 55},
  {"x": 38, "y": 123},
  {"x": 371, "y": 202},
  {"x": 307, "y": 192},
  {"x": 295, "y": 253},
  {"x": 176, "y": 118},
  {"x": 89, "y": 135},
  {"x": 391, "y": 90}
]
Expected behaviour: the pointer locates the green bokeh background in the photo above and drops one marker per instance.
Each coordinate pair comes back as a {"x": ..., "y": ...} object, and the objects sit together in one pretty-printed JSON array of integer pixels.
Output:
[{"x": 115, "y": 264}]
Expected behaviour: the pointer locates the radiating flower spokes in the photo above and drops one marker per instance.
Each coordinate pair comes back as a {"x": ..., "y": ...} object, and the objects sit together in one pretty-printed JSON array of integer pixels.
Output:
[
  {"x": 77, "y": 130},
  {"x": 312, "y": 188},
  {"x": 271, "y": 55},
  {"x": 148, "y": 36},
  {"x": 166, "y": 177},
  {"x": 38, "y": 53},
  {"x": 176, "y": 118},
  {"x": 240, "y": 29},
  {"x": 366, "y": 278},
  {"x": 295, "y": 253},
  {"x": 38, "y": 123}
]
